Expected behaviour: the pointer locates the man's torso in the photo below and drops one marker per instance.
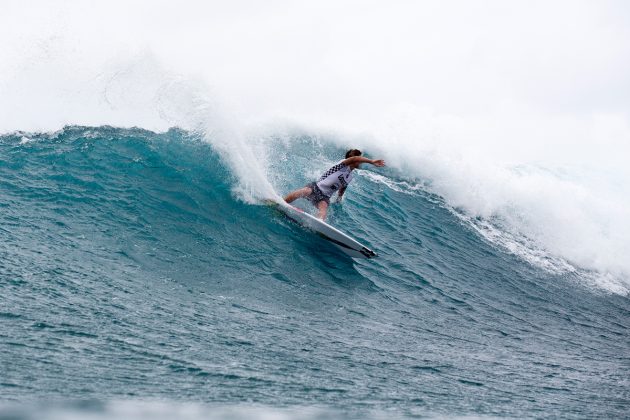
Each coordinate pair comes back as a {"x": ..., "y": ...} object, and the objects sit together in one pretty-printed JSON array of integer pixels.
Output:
[{"x": 335, "y": 178}]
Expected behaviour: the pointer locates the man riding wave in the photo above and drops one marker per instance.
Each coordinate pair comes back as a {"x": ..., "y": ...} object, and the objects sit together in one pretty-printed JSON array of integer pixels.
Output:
[{"x": 335, "y": 179}]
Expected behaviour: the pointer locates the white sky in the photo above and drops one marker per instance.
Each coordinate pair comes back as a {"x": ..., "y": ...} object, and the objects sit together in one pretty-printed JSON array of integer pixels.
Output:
[{"x": 457, "y": 57}]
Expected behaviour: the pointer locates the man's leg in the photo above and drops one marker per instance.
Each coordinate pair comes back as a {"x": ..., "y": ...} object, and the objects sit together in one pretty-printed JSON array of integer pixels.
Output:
[
  {"x": 323, "y": 208},
  {"x": 301, "y": 193}
]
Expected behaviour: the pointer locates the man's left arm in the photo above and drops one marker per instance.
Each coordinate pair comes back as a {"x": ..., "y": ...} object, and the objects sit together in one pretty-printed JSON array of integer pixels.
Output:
[{"x": 340, "y": 194}]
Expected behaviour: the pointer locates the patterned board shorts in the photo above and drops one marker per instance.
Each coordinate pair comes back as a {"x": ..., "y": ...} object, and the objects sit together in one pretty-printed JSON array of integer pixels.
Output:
[{"x": 317, "y": 195}]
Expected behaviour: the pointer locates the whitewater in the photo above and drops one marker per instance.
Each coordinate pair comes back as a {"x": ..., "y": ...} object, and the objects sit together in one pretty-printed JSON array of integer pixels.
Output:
[{"x": 141, "y": 275}]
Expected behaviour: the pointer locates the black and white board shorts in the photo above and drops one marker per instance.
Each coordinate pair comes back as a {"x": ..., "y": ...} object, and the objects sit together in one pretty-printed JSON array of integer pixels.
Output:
[{"x": 317, "y": 195}]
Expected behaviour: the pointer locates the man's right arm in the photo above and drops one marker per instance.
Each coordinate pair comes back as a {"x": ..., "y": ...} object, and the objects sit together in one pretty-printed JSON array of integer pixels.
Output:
[{"x": 361, "y": 159}]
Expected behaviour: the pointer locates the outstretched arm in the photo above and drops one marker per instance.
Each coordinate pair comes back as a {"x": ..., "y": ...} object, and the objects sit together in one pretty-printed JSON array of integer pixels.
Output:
[{"x": 361, "y": 159}]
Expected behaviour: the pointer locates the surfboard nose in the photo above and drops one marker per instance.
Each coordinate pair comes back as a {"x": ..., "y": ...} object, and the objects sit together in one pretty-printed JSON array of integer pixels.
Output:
[{"x": 368, "y": 252}]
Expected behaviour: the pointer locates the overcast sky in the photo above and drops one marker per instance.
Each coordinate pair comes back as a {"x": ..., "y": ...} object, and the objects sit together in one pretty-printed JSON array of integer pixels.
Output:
[{"x": 453, "y": 56}]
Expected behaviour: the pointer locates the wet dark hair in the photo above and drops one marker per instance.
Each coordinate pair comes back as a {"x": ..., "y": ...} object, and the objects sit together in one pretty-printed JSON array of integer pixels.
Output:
[{"x": 353, "y": 152}]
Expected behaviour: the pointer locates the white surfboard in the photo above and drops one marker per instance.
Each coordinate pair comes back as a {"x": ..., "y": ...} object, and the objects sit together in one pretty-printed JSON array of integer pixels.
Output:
[{"x": 339, "y": 239}]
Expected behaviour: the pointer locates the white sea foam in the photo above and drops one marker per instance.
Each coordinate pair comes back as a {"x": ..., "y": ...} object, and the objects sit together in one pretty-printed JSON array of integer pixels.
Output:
[
  {"x": 528, "y": 130},
  {"x": 556, "y": 219},
  {"x": 499, "y": 227},
  {"x": 161, "y": 410}
]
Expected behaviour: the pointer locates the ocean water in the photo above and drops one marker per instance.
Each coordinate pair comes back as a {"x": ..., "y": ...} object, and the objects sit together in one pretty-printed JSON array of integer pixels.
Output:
[{"x": 139, "y": 279}]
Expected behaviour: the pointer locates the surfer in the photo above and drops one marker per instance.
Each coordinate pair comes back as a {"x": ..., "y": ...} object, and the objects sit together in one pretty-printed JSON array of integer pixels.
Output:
[{"x": 334, "y": 179}]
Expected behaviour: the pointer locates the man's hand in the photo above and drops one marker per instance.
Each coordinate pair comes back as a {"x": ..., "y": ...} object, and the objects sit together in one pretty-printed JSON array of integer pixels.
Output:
[{"x": 378, "y": 162}]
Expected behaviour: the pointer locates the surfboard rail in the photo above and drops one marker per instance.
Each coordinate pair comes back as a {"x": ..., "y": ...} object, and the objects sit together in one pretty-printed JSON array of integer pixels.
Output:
[{"x": 344, "y": 242}]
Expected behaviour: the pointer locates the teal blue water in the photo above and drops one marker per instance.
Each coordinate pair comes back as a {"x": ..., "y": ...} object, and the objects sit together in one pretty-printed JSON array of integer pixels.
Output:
[{"x": 129, "y": 271}]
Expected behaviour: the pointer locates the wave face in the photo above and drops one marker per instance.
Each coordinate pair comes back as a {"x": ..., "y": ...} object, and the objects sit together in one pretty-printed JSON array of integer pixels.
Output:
[{"x": 129, "y": 271}]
